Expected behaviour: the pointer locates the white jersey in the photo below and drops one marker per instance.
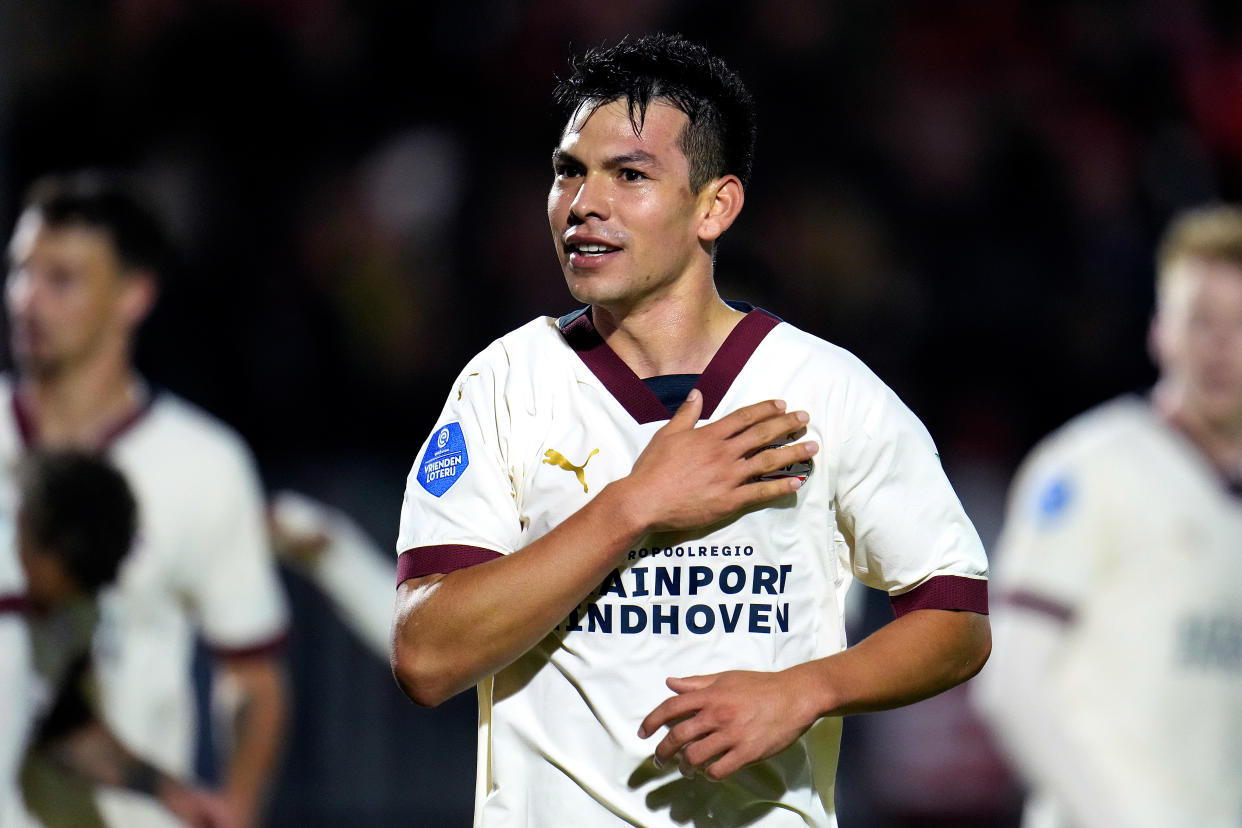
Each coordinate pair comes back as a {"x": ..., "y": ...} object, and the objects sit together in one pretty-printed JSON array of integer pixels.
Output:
[
  {"x": 200, "y": 564},
  {"x": 15, "y": 715},
  {"x": 1120, "y": 531},
  {"x": 538, "y": 424}
]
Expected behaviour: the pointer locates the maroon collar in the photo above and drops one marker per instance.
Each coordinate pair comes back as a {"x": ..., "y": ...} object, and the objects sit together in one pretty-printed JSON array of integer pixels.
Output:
[
  {"x": 28, "y": 429},
  {"x": 634, "y": 395}
]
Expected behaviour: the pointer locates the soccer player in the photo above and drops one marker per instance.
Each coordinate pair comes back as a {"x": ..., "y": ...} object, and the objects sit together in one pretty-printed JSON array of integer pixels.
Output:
[
  {"x": 1117, "y": 684},
  {"x": 83, "y": 261},
  {"x": 75, "y": 523},
  {"x": 633, "y": 527},
  {"x": 328, "y": 547}
]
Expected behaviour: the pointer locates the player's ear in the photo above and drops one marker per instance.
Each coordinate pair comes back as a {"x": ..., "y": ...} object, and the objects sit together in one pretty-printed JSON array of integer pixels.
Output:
[
  {"x": 141, "y": 291},
  {"x": 720, "y": 201}
]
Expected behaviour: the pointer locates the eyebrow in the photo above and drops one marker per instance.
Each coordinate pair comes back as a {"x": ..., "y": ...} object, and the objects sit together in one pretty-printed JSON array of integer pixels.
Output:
[{"x": 560, "y": 156}]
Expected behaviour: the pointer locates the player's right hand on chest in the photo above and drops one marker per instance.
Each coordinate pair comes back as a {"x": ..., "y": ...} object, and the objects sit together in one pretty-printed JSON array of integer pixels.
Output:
[{"x": 691, "y": 475}]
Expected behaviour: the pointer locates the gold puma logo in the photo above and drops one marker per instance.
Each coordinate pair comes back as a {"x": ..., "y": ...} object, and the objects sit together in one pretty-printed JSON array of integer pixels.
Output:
[{"x": 554, "y": 458}]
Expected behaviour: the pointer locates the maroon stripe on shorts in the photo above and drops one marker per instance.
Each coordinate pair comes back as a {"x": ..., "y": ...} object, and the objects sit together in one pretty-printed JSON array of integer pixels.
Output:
[
  {"x": 440, "y": 560},
  {"x": 945, "y": 592}
]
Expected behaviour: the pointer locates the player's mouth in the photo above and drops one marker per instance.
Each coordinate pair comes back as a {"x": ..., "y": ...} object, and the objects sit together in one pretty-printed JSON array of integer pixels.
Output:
[{"x": 587, "y": 254}]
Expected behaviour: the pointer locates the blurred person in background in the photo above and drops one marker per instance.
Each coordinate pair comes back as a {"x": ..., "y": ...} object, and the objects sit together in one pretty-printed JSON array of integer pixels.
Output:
[
  {"x": 76, "y": 519},
  {"x": 1116, "y": 682},
  {"x": 328, "y": 547},
  {"x": 614, "y": 497},
  {"x": 83, "y": 267}
]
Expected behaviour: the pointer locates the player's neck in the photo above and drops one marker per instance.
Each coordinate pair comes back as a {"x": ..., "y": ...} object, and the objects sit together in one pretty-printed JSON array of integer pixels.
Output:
[
  {"x": 81, "y": 406},
  {"x": 1220, "y": 442},
  {"x": 669, "y": 336}
]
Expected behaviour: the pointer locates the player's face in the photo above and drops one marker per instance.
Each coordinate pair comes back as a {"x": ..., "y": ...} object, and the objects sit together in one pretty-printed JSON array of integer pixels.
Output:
[
  {"x": 623, "y": 216},
  {"x": 1198, "y": 337},
  {"x": 65, "y": 295},
  {"x": 48, "y": 582}
]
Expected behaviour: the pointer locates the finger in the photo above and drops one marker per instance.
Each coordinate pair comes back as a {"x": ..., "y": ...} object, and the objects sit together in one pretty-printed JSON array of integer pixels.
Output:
[
  {"x": 775, "y": 459},
  {"x": 761, "y": 491},
  {"x": 771, "y": 431},
  {"x": 679, "y": 736},
  {"x": 705, "y": 753},
  {"x": 728, "y": 762},
  {"x": 669, "y": 710},
  {"x": 688, "y": 683},
  {"x": 687, "y": 414},
  {"x": 743, "y": 418}
]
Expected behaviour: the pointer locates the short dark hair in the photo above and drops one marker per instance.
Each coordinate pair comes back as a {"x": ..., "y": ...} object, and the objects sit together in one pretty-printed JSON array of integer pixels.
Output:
[
  {"x": 103, "y": 202},
  {"x": 78, "y": 507},
  {"x": 720, "y": 138}
]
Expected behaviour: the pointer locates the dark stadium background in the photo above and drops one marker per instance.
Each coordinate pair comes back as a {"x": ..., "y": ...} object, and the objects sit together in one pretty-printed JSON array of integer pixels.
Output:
[{"x": 964, "y": 194}]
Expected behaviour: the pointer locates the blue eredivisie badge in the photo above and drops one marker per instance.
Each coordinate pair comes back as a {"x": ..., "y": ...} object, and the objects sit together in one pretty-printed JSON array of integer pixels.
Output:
[
  {"x": 1054, "y": 499},
  {"x": 445, "y": 461}
]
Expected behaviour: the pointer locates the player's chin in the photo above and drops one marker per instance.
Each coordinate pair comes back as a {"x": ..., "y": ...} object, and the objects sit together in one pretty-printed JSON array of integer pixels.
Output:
[{"x": 589, "y": 289}]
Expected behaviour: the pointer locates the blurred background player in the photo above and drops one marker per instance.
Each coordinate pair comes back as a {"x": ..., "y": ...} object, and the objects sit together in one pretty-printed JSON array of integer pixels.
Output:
[
  {"x": 329, "y": 548},
  {"x": 76, "y": 519},
  {"x": 1117, "y": 677},
  {"x": 83, "y": 263}
]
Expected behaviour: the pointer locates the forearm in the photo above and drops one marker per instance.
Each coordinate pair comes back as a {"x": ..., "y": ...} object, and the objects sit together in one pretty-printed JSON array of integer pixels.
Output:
[
  {"x": 912, "y": 658},
  {"x": 1015, "y": 694},
  {"x": 451, "y": 631},
  {"x": 327, "y": 546},
  {"x": 252, "y": 697},
  {"x": 92, "y": 752}
]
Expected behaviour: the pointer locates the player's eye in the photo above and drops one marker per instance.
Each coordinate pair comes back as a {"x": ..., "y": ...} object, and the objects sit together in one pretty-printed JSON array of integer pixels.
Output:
[
  {"x": 632, "y": 175},
  {"x": 566, "y": 170}
]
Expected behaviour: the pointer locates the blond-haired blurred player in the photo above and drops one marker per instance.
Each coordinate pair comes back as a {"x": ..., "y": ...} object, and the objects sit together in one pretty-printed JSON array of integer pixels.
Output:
[
  {"x": 1116, "y": 681},
  {"x": 83, "y": 264}
]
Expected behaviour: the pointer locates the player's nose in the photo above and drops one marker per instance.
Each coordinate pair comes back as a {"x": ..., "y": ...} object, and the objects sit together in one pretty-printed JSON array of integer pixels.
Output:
[{"x": 591, "y": 200}]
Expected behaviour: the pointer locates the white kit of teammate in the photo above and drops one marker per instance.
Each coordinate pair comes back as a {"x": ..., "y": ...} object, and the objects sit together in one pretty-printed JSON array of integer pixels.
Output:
[
  {"x": 539, "y": 423},
  {"x": 14, "y": 675},
  {"x": 1125, "y": 541},
  {"x": 200, "y": 562}
]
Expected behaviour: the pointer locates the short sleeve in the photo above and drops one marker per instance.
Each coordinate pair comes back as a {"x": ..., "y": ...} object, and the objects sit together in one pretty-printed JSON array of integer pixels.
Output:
[
  {"x": 909, "y": 535},
  {"x": 1050, "y": 541},
  {"x": 460, "y": 504},
  {"x": 237, "y": 594}
]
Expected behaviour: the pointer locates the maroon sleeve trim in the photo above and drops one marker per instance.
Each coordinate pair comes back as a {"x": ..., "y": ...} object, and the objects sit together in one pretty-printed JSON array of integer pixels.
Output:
[
  {"x": 944, "y": 592},
  {"x": 1039, "y": 604},
  {"x": 13, "y": 603},
  {"x": 264, "y": 649},
  {"x": 440, "y": 560}
]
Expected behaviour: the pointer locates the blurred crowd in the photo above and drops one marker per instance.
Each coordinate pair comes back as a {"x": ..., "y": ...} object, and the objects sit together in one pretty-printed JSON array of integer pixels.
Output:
[{"x": 964, "y": 194}]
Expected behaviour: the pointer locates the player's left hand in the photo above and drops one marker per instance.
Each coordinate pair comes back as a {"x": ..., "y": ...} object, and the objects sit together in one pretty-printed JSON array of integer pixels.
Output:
[{"x": 721, "y": 722}]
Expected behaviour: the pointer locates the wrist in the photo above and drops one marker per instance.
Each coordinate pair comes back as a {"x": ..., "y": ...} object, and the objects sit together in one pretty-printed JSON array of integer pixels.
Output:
[
  {"x": 626, "y": 509},
  {"x": 814, "y": 686}
]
